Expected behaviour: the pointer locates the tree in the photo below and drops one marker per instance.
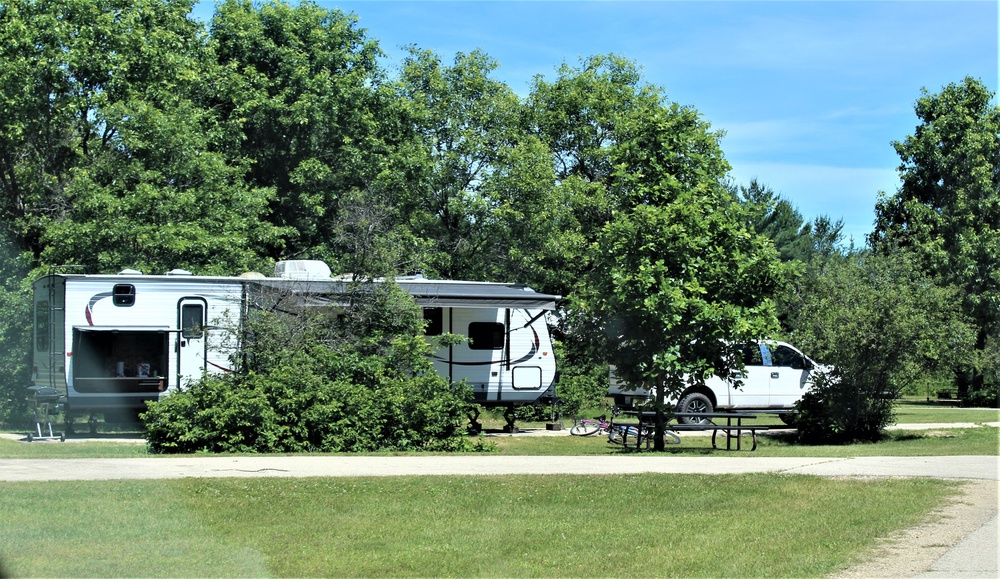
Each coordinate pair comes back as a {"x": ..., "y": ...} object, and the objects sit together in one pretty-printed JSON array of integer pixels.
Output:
[
  {"x": 779, "y": 220},
  {"x": 679, "y": 280},
  {"x": 883, "y": 325},
  {"x": 479, "y": 186},
  {"x": 107, "y": 157},
  {"x": 15, "y": 330},
  {"x": 301, "y": 97},
  {"x": 582, "y": 117},
  {"x": 947, "y": 210}
]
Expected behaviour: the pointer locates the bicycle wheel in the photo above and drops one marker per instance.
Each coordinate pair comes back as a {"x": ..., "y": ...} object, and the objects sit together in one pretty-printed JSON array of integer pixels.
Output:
[
  {"x": 623, "y": 435},
  {"x": 585, "y": 428},
  {"x": 670, "y": 437}
]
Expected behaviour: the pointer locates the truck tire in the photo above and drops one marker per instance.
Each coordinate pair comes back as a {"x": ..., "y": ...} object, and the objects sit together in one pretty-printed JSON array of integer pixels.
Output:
[{"x": 695, "y": 402}]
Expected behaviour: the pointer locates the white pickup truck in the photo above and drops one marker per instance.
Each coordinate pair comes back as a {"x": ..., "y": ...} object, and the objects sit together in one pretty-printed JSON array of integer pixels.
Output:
[{"x": 776, "y": 375}]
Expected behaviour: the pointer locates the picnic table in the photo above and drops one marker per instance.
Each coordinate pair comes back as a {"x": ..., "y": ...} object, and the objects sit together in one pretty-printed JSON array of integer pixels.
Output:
[{"x": 647, "y": 424}]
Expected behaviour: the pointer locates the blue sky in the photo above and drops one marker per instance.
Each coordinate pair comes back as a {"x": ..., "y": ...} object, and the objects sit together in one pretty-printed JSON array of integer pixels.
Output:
[{"x": 810, "y": 94}]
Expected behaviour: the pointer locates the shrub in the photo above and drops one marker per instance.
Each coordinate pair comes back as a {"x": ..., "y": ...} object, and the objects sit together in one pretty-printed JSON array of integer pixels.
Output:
[
  {"x": 884, "y": 326},
  {"x": 293, "y": 409},
  {"x": 355, "y": 382},
  {"x": 579, "y": 391},
  {"x": 839, "y": 409},
  {"x": 15, "y": 333}
]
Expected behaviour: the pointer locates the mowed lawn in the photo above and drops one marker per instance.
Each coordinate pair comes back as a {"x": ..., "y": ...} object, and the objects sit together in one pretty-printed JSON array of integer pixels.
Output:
[
  {"x": 650, "y": 525},
  {"x": 510, "y": 526}
]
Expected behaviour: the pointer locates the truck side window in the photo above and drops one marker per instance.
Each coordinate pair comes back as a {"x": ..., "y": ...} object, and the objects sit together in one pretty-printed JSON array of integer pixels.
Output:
[
  {"x": 751, "y": 355},
  {"x": 486, "y": 336},
  {"x": 785, "y": 356}
]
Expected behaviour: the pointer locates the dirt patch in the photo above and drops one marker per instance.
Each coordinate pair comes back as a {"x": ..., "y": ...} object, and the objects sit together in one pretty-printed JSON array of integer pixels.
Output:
[{"x": 912, "y": 551}]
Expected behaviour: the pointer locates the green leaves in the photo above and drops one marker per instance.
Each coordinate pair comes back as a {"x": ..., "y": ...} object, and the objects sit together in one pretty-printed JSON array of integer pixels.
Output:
[
  {"x": 678, "y": 278},
  {"x": 948, "y": 207},
  {"x": 359, "y": 381},
  {"x": 113, "y": 161},
  {"x": 885, "y": 326}
]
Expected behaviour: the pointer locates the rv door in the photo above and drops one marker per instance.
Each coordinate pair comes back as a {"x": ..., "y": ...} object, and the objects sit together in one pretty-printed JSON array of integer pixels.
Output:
[{"x": 191, "y": 350}]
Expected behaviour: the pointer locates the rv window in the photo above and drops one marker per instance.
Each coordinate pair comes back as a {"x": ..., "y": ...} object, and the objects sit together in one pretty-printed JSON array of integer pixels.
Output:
[
  {"x": 191, "y": 320},
  {"x": 42, "y": 326},
  {"x": 486, "y": 336},
  {"x": 435, "y": 321},
  {"x": 124, "y": 295}
]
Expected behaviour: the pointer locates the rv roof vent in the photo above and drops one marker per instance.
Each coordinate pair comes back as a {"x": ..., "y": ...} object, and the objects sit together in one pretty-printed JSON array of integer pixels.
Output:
[
  {"x": 178, "y": 272},
  {"x": 252, "y": 275},
  {"x": 129, "y": 272},
  {"x": 301, "y": 269}
]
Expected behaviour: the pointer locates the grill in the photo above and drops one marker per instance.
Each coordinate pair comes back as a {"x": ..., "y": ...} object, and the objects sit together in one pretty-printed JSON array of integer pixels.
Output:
[{"x": 46, "y": 401}]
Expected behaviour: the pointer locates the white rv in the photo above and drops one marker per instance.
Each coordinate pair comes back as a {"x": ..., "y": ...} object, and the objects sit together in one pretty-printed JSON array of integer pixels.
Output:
[{"x": 109, "y": 343}]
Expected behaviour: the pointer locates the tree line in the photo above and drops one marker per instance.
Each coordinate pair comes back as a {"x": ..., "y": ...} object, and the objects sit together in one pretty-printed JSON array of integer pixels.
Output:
[{"x": 133, "y": 136}]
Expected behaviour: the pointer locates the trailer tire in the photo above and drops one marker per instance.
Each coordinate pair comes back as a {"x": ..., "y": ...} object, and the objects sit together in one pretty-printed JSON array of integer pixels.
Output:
[{"x": 695, "y": 402}]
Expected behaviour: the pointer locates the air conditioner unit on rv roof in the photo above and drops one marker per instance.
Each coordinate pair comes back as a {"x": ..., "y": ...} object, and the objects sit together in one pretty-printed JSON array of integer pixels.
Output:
[{"x": 301, "y": 269}]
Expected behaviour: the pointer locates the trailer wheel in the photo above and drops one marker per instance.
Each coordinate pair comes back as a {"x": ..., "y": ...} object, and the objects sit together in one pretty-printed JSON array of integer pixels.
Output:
[{"x": 695, "y": 402}]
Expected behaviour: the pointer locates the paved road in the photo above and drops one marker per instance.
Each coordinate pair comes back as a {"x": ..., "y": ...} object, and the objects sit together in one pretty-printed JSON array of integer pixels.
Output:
[{"x": 952, "y": 467}]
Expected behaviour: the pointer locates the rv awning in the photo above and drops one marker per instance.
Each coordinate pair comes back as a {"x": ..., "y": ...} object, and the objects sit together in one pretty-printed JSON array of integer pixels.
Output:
[
  {"x": 427, "y": 293},
  {"x": 123, "y": 328},
  {"x": 477, "y": 295}
]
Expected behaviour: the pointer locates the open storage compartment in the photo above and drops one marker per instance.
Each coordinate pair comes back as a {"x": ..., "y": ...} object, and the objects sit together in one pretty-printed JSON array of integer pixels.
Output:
[{"x": 119, "y": 360}]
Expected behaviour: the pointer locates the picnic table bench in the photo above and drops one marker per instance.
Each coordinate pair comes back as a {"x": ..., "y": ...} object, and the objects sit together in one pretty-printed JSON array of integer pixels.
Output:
[{"x": 647, "y": 423}]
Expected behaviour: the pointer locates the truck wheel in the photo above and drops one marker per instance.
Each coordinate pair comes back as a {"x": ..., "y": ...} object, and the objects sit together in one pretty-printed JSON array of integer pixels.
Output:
[
  {"x": 695, "y": 402},
  {"x": 788, "y": 418}
]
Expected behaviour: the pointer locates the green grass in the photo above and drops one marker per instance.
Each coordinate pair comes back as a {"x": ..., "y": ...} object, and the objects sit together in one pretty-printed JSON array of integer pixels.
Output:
[
  {"x": 940, "y": 442},
  {"x": 560, "y": 525},
  {"x": 934, "y": 442},
  {"x": 918, "y": 411},
  {"x": 55, "y": 449}
]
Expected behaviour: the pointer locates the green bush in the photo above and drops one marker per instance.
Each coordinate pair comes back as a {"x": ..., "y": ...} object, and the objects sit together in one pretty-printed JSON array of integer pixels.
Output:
[
  {"x": 583, "y": 391},
  {"x": 298, "y": 409},
  {"x": 840, "y": 409},
  {"x": 356, "y": 381},
  {"x": 884, "y": 326},
  {"x": 15, "y": 334}
]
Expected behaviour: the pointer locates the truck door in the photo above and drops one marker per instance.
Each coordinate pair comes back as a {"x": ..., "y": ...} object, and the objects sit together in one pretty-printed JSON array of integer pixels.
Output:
[
  {"x": 788, "y": 376},
  {"x": 191, "y": 350},
  {"x": 753, "y": 393}
]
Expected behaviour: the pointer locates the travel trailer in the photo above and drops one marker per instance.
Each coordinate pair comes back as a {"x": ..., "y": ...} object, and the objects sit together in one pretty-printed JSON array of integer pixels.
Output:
[{"x": 110, "y": 343}]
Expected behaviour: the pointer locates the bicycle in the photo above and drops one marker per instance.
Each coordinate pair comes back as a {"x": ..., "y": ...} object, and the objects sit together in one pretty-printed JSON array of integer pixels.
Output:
[
  {"x": 628, "y": 436},
  {"x": 622, "y": 435},
  {"x": 589, "y": 427}
]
